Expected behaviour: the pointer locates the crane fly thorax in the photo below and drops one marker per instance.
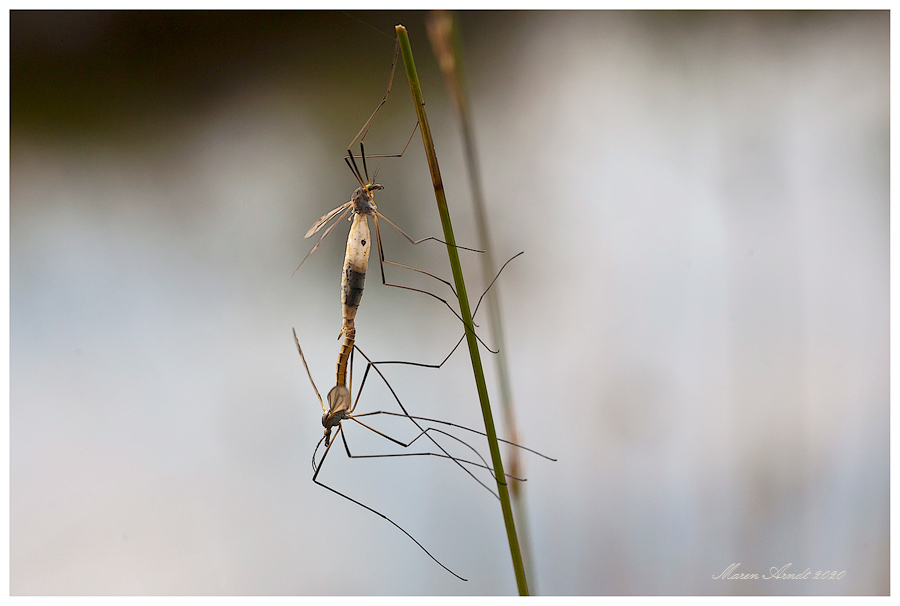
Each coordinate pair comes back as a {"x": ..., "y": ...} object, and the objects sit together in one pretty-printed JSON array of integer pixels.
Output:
[
  {"x": 338, "y": 409},
  {"x": 364, "y": 199},
  {"x": 338, "y": 405}
]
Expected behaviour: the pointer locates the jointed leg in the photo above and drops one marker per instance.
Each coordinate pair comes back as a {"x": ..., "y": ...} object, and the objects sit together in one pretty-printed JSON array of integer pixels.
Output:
[
  {"x": 379, "y": 514},
  {"x": 458, "y": 343},
  {"x": 482, "y": 465},
  {"x": 414, "y": 422}
]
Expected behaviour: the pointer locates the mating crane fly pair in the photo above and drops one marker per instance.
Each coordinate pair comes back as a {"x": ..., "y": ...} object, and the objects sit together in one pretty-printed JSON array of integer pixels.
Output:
[{"x": 341, "y": 406}]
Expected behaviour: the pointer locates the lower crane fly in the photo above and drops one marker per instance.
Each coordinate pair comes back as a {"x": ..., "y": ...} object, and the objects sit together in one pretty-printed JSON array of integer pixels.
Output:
[{"x": 341, "y": 407}]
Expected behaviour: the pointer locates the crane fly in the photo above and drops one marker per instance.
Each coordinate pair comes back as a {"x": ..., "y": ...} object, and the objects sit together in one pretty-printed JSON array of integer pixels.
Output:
[
  {"x": 341, "y": 404},
  {"x": 341, "y": 407},
  {"x": 361, "y": 206}
]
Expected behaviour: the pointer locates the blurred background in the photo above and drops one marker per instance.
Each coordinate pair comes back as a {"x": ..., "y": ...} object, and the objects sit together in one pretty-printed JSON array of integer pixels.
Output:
[{"x": 698, "y": 329}]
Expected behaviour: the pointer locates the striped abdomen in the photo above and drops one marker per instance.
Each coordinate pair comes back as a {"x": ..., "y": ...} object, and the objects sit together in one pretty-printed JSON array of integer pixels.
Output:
[
  {"x": 356, "y": 261},
  {"x": 344, "y": 355}
]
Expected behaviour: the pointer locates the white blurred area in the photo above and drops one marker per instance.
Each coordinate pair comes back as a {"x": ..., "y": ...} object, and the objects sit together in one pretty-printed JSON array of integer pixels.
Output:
[{"x": 698, "y": 330}]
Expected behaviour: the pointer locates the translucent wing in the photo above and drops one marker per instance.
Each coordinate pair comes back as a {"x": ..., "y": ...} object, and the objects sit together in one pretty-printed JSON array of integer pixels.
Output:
[
  {"x": 318, "y": 226},
  {"x": 326, "y": 218}
]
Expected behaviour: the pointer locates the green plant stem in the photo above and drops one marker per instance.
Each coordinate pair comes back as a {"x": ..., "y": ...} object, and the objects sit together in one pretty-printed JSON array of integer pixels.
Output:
[
  {"x": 465, "y": 311},
  {"x": 444, "y": 34}
]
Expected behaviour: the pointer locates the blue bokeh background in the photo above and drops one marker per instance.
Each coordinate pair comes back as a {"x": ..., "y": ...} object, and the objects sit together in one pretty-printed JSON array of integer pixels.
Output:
[{"x": 698, "y": 330}]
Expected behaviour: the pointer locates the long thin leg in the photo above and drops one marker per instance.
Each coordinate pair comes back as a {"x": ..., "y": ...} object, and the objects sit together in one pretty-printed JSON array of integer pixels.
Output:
[
  {"x": 430, "y": 420},
  {"x": 422, "y": 364},
  {"x": 483, "y": 463},
  {"x": 362, "y": 152},
  {"x": 365, "y": 127},
  {"x": 378, "y": 513},
  {"x": 414, "y": 242},
  {"x": 458, "y": 343},
  {"x": 411, "y": 241},
  {"x": 354, "y": 170},
  {"x": 508, "y": 261},
  {"x": 315, "y": 451},
  {"x": 400, "y": 155},
  {"x": 351, "y": 162},
  {"x": 430, "y": 294},
  {"x": 361, "y": 135},
  {"x": 414, "y": 422},
  {"x": 421, "y": 271},
  {"x": 422, "y": 431},
  {"x": 308, "y": 374},
  {"x": 361, "y": 385}
]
